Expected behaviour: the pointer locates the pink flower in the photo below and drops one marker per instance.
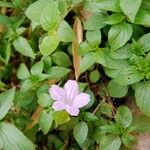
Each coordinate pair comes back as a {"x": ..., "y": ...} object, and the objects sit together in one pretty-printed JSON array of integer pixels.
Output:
[{"x": 68, "y": 98}]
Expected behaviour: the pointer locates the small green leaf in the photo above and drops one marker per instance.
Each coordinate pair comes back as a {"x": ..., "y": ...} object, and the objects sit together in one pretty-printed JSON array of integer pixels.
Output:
[
  {"x": 46, "y": 120},
  {"x": 57, "y": 72},
  {"x": 49, "y": 44},
  {"x": 119, "y": 34},
  {"x": 22, "y": 46},
  {"x": 89, "y": 116},
  {"x": 123, "y": 116},
  {"x": 37, "y": 68},
  {"x": 61, "y": 117},
  {"x": 130, "y": 8},
  {"x": 6, "y": 100},
  {"x": 106, "y": 109},
  {"x": 23, "y": 72},
  {"x": 13, "y": 139},
  {"x": 65, "y": 32},
  {"x": 44, "y": 100},
  {"x": 80, "y": 132},
  {"x": 142, "y": 96},
  {"x": 116, "y": 90},
  {"x": 94, "y": 76}
]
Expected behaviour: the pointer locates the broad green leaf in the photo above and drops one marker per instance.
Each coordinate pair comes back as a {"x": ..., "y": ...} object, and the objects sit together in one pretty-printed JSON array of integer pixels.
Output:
[
  {"x": 61, "y": 59},
  {"x": 61, "y": 117},
  {"x": 130, "y": 8},
  {"x": 110, "y": 142},
  {"x": 50, "y": 18},
  {"x": 13, "y": 139},
  {"x": 93, "y": 37},
  {"x": 144, "y": 42},
  {"x": 115, "y": 18},
  {"x": 49, "y": 44},
  {"x": 46, "y": 120},
  {"x": 80, "y": 132},
  {"x": 89, "y": 116},
  {"x": 116, "y": 90},
  {"x": 37, "y": 68},
  {"x": 123, "y": 116},
  {"x": 44, "y": 100},
  {"x": 6, "y": 100},
  {"x": 95, "y": 22},
  {"x": 94, "y": 76},
  {"x": 109, "y": 5},
  {"x": 22, "y": 46},
  {"x": 110, "y": 128},
  {"x": 86, "y": 62},
  {"x": 23, "y": 72},
  {"x": 84, "y": 48},
  {"x": 127, "y": 76},
  {"x": 119, "y": 34},
  {"x": 142, "y": 96},
  {"x": 57, "y": 72},
  {"x": 65, "y": 32}
]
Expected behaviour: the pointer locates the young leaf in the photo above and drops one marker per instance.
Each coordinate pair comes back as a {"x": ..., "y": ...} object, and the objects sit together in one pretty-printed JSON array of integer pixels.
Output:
[
  {"x": 37, "y": 68},
  {"x": 22, "y": 46},
  {"x": 49, "y": 44},
  {"x": 6, "y": 100},
  {"x": 94, "y": 76},
  {"x": 89, "y": 116},
  {"x": 46, "y": 120},
  {"x": 23, "y": 72},
  {"x": 119, "y": 34},
  {"x": 142, "y": 96},
  {"x": 13, "y": 139},
  {"x": 123, "y": 116},
  {"x": 80, "y": 132},
  {"x": 130, "y": 8}
]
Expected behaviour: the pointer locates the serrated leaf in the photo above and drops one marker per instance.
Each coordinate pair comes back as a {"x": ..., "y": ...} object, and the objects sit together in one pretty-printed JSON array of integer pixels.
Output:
[
  {"x": 46, "y": 120},
  {"x": 22, "y": 46},
  {"x": 6, "y": 100},
  {"x": 142, "y": 96},
  {"x": 119, "y": 34},
  {"x": 123, "y": 116},
  {"x": 49, "y": 44},
  {"x": 23, "y": 72},
  {"x": 13, "y": 139},
  {"x": 130, "y": 8},
  {"x": 80, "y": 132}
]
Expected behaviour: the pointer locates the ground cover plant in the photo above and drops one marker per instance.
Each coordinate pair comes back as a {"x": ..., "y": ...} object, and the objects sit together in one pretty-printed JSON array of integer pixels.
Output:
[{"x": 67, "y": 70}]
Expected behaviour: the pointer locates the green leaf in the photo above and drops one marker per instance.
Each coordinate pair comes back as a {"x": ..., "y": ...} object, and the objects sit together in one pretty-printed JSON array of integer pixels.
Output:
[
  {"x": 94, "y": 76},
  {"x": 84, "y": 48},
  {"x": 93, "y": 37},
  {"x": 46, "y": 120},
  {"x": 86, "y": 62},
  {"x": 61, "y": 59},
  {"x": 44, "y": 100},
  {"x": 89, "y": 116},
  {"x": 13, "y": 139},
  {"x": 23, "y": 72},
  {"x": 142, "y": 96},
  {"x": 115, "y": 18},
  {"x": 50, "y": 18},
  {"x": 144, "y": 42},
  {"x": 115, "y": 90},
  {"x": 123, "y": 116},
  {"x": 49, "y": 44},
  {"x": 57, "y": 72},
  {"x": 106, "y": 109},
  {"x": 95, "y": 22},
  {"x": 37, "y": 68},
  {"x": 109, "y": 5},
  {"x": 80, "y": 132},
  {"x": 110, "y": 142},
  {"x": 6, "y": 100},
  {"x": 110, "y": 128},
  {"x": 65, "y": 32},
  {"x": 130, "y": 8},
  {"x": 61, "y": 117},
  {"x": 22, "y": 46},
  {"x": 119, "y": 34}
]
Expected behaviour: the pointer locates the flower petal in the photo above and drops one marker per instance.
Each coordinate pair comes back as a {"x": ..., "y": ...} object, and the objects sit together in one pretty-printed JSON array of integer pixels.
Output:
[
  {"x": 73, "y": 111},
  {"x": 57, "y": 93},
  {"x": 71, "y": 88},
  {"x": 81, "y": 100},
  {"x": 58, "y": 105}
]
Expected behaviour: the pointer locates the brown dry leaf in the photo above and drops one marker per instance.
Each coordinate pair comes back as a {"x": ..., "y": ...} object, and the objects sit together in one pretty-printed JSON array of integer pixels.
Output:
[{"x": 77, "y": 28}]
